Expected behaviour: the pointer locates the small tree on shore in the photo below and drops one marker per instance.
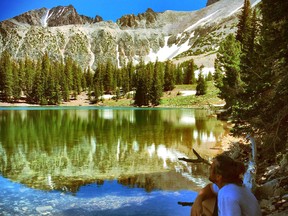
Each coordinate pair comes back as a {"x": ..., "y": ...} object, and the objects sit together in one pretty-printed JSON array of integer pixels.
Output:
[{"x": 201, "y": 88}]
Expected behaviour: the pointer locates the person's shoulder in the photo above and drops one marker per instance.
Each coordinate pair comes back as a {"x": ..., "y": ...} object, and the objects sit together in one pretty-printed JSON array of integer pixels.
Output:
[
  {"x": 233, "y": 186},
  {"x": 230, "y": 189},
  {"x": 228, "y": 197}
]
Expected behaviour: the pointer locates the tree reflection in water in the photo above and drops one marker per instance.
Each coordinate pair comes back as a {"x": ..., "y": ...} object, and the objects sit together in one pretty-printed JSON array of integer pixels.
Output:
[{"x": 65, "y": 149}]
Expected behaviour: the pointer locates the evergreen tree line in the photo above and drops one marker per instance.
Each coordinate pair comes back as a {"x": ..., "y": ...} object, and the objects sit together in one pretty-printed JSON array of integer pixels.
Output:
[
  {"x": 48, "y": 82},
  {"x": 144, "y": 82},
  {"x": 40, "y": 82},
  {"x": 251, "y": 72}
]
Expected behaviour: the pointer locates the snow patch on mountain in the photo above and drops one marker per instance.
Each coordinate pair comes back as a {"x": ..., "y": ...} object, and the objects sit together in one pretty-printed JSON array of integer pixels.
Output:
[
  {"x": 60, "y": 12},
  {"x": 201, "y": 21},
  {"x": 45, "y": 18},
  {"x": 235, "y": 11},
  {"x": 167, "y": 52},
  {"x": 117, "y": 56}
]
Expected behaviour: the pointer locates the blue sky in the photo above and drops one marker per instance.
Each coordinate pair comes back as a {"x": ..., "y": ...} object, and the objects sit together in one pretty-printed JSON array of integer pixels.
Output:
[{"x": 107, "y": 9}]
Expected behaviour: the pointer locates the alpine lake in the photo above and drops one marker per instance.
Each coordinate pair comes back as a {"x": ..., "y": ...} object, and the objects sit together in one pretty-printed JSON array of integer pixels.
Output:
[{"x": 103, "y": 161}]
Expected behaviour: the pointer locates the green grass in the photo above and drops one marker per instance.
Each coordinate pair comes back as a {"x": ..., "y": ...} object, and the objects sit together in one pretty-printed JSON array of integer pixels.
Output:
[
  {"x": 172, "y": 99},
  {"x": 192, "y": 100}
]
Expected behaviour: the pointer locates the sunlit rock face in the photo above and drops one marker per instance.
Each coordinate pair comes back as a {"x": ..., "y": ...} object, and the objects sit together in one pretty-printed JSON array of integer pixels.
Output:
[
  {"x": 146, "y": 19},
  {"x": 62, "y": 32}
]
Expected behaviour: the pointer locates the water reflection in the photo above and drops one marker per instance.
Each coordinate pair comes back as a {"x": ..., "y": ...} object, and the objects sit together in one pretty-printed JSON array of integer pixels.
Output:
[
  {"x": 109, "y": 198},
  {"x": 64, "y": 149}
]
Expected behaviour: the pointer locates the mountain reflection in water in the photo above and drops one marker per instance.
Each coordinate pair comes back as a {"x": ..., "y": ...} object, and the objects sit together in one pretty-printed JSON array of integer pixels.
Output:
[{"x": 72, "y": 150}]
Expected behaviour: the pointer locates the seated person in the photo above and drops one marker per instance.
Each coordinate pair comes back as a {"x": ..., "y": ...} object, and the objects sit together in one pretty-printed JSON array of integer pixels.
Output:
[{"x": 233, "y": 198}]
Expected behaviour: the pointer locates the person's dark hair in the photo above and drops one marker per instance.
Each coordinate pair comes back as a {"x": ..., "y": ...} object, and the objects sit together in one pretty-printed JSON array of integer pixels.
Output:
[{"x": 230, "y": 170}]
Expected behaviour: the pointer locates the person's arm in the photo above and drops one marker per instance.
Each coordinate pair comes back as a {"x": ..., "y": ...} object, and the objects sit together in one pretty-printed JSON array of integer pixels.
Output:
[{"x": 204, "y": 194}]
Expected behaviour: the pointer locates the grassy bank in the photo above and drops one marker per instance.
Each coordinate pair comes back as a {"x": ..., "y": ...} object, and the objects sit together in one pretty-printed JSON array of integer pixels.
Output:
[{"x": 174, "y": 98}]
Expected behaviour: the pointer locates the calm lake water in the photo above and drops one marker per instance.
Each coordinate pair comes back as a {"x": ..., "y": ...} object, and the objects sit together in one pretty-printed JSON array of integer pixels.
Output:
[{"x": 103, "y": 161}]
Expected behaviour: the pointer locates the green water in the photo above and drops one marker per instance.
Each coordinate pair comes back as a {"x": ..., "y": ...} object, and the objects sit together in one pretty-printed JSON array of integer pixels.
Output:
[{"x": 77, "y": 152}]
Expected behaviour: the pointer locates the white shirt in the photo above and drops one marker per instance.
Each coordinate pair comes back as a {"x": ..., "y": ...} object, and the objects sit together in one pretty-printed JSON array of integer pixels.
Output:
[{"x": 234, "y": 200}]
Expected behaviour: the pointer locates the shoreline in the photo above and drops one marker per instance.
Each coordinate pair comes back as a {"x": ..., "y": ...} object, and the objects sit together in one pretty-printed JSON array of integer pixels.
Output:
[
  {"x": 170, "y": 99},
  {"x": 82, "y": 100}
]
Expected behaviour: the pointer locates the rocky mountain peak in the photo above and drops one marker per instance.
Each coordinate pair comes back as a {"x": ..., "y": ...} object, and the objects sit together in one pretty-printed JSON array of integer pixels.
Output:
[
  {"x": 57, "y": 16},
  {"x": 63, "y": 15},
  {"x": 98, "y": 19},
  {"x": 32, "y": 17},
  {"x": 141, "y": 20}
]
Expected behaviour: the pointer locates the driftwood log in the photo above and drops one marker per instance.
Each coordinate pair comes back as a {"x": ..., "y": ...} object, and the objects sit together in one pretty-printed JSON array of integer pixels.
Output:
[
  {"x": 198, "y": 160},
  {"x": 250, "y": 174},
  {"x": 185, "y": 203}
]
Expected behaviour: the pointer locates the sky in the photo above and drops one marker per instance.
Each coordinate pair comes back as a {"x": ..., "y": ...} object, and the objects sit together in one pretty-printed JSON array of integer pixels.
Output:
[{"x": 107, "y": 9}]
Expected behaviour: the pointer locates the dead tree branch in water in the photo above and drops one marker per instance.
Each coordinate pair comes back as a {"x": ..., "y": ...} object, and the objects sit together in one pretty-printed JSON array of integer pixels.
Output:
[
  {"x": 198, "y": 160},
  {"x": 185, "y": 203}
]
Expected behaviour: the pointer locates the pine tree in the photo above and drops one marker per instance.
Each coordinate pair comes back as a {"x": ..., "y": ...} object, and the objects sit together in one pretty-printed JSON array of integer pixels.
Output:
[
  {"x": 274, "y": 88},
  {"x": 201, "y": 88},
  {"x": 249, "y": 55},
  {"x": 108, "y": 81},
  {"x": 218, "y": 75},
  {"x": 98, "y": 82},
  {"x": 118, "y": 78},
  {"x": 38, "y": 85},
  {"x": 40, "y": 81},
  {"x": 28, "y": 83},
  {"x": 21, "y": 75},
  {"x": 228, "y": 61},
  {"x": 51, "y": 83},
  {"x": 169, "y": 83},
  {"x": 179, "y": 75},
  {"x": 55, "y": 96},
  {"x": 67, "y": 79},
  {"x": 16, "y": 86},
  {"x": 262, "y": 106},
  {"x": 125, "y": 79},
  {"x": 244, "y": 22},
  {"x": 84, "y": 80},
  {"x": 250, "y": 74},
  {"x": 76, "y": 81},
  {"x": 87, "y": 82},
  {"x": 64, "y": 81},
  {"x": 6, "y": 76},
  {"x": 156, "y": 88},
  {"x": 210, "y": 76},
  {"x": 142, "y": 92},
  {"x": 190, "y": 73},
  {"x": 131, "y": 75}
]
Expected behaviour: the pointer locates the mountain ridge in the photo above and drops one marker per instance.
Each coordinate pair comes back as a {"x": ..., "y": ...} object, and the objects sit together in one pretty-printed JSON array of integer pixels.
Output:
[
  {"x": 148, "y": 36},
  {"x": 57, "y": 16}
]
